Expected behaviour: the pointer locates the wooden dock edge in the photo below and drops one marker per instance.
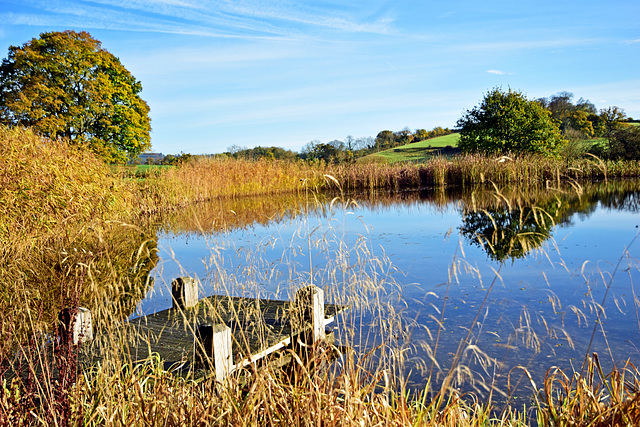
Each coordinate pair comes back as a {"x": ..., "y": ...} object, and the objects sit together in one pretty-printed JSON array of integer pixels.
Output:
[
  {"x": 214, "y": 342},
  {"x": 307, "y": 325}
]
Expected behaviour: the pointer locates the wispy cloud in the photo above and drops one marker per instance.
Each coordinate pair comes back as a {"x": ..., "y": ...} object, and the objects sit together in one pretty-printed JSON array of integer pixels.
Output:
[
  {"x": 313, "y": 16},
  {"x": 497, "y": 72},
  {"x": 153, "y": 16},
  {"x": 238, "y": 19}
]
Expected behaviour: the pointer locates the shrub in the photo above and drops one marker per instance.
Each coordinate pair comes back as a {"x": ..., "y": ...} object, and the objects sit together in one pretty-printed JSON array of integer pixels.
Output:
[{"x": 624, "y": 143}]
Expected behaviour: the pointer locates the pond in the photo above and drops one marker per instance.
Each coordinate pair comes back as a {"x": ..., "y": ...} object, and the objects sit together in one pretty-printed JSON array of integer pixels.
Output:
[{"x": 479, "y": 283}]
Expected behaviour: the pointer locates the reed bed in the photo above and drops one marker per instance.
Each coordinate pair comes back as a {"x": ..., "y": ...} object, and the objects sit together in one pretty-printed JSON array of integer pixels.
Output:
[
  {"x": 206, "y": 178},
  {"x": 67, "y": 239},
  {"x": 59, "y": 207},
  {"x": 359, "y": 388},
  {"x": 470, "y": 170},
  {"x": 591, "y": 397}
]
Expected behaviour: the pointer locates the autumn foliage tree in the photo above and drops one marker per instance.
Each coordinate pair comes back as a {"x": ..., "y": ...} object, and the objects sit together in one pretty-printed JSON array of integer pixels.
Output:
[
  {"x": 582, "y": 117},
  {"x": 64, "y": 84},
  {"x": 509, "y": 122}
]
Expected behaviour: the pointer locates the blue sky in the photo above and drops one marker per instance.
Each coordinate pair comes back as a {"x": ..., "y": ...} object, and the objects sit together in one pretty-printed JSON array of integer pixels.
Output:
[{"x": 249, "y": 72}]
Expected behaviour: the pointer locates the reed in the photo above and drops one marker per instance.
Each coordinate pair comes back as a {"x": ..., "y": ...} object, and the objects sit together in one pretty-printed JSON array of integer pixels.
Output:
[
  {"x": 203, "y": 179},
  {"x": 470, "y": 170},
  {"x": 56, "y": 206},
  {"x": 207, "y": 178},
  {"x": 590, "y": 398},
  {"x": 74, "y": 244}
]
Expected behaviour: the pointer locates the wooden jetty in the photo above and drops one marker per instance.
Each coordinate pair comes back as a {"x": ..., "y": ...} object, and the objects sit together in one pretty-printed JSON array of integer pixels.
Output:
[{"x": 219, "y": 334}]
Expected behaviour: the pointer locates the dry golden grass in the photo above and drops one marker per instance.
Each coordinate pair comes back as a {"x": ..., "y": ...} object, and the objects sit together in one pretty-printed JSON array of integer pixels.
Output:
[
  {"x": 470, "y": 170},
  {"x": 206, "y": 179},
  {"x": 591, "y": 398},
  {"x": 57, "y": 206},
  {"x": 66, "y": 239}
]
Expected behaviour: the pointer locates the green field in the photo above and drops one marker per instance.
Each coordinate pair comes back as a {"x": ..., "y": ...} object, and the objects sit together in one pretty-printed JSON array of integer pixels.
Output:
[{"x": 419, "y": 151}]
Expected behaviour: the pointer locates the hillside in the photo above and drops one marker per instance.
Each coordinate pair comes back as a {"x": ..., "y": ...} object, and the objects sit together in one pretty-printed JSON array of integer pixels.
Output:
[{"x": 419, "y": 151}]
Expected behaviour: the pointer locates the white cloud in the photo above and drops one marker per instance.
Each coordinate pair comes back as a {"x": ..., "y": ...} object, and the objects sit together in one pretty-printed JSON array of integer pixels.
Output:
[
  {"x": 248, "y": 19},
  {"x": 312, "y": 16},
  {"x": 497, "y": 72}
]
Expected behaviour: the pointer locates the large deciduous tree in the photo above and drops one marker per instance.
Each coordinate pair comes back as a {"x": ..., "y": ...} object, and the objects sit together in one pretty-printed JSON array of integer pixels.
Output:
[
  {"x": 509, "y": 122},
  {"x": 64, "y": 84}
]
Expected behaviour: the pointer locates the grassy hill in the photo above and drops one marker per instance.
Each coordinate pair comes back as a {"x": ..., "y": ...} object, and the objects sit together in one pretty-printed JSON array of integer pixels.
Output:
[{"x": 419, "y": 151}]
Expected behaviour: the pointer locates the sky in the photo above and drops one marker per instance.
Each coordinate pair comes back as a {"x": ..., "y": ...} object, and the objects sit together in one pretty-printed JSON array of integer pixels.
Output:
[{"x": 224, "y": 73}]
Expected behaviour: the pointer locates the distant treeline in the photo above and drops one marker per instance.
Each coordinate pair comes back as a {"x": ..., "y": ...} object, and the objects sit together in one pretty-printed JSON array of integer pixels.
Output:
[
  {"x": 578, "y": 122},
  {"x": 582, "y": 120},
  {"x": 335, "y": 151}
]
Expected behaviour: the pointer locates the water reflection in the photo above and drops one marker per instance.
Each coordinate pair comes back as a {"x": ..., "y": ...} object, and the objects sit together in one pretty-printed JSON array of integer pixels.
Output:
[
  {"x": 537, "y": 209},
  {"x": 122, "y": 259},
  {"x": 515, "y": 223},
  {"x": 442, "y": 258},
  {"x": 508, "y": 232},
  {"x": 512, "y": 224}
]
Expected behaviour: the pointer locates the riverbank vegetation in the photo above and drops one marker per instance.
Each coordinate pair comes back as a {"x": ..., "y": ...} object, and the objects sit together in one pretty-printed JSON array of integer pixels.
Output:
[
  {"x": 206, "y": 178},
  {"x": 57, "y": 204},
  {"x": 75, "y": 231},
  {"x": 56, "y": 196}
]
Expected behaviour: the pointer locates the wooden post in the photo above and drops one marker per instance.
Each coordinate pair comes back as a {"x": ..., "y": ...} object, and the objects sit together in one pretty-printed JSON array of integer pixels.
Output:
[
  {"x": 215, "y": 342},
  {"x": 309, "y": 309},
  {"x": 184, "y": 291},
  {"x": 75, "y": 325}
]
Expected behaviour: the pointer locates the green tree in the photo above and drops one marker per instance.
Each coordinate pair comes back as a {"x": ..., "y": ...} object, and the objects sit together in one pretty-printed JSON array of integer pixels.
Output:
[
  {"x": 403, "y": 137},
  {"x": 579, "y": 120},
  {"x": 64, "y": 84},
  {"x": 509, "y": 122},
  {"x": 561, "y": 108},
  {"x": 384, "y": 139},
  {"x": 420, "y": 135},
  {"x": 624, "y": 143},
  {"x": 586, "y": 106},
  {"x": 599, "y": 125},
  {"x": 612, "y": 117}
]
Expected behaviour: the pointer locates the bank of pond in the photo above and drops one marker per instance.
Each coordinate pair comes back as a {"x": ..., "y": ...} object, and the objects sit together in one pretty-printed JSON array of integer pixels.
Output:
[{"x": 493, "y": 303}]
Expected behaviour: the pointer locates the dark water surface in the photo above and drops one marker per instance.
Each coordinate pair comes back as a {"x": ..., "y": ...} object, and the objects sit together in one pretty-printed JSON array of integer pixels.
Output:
[{"x": 517, "y": 277}]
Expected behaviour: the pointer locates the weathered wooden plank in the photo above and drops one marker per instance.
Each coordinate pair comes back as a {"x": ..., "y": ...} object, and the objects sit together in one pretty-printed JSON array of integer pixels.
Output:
[{"x": 258, "y": 326}]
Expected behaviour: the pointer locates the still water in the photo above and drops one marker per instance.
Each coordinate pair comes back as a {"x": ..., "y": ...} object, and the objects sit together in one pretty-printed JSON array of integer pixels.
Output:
[{"x": 504, "y": 278}]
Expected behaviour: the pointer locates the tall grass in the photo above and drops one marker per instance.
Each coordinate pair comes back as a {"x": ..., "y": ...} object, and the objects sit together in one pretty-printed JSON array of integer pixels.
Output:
[
  {"x": 205, "y": 179},
  {"x": 470, "y": 170},
  {"x": 362, "y": 388},
  {"x": 59, "y": 207},
  {"x": 73, "y": 244}
]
